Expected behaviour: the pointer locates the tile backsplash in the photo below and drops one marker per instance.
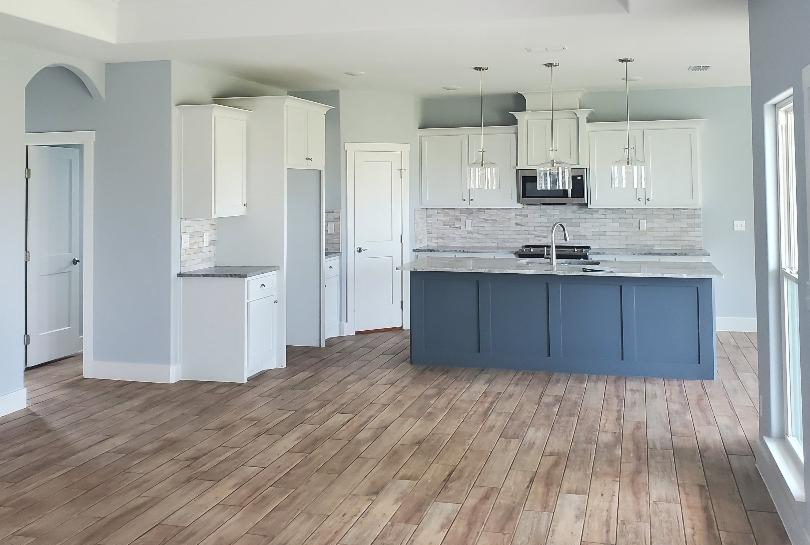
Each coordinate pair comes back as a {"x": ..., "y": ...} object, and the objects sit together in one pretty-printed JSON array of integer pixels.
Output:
[
  {"x": 601, "y": 228},
  {"x": 333, "y": 238},
  {"x": 197, "y": 255}
]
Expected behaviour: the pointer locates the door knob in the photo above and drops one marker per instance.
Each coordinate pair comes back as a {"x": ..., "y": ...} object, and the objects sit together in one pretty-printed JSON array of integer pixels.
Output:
[
  {"x": 76, "y": 261},
  {"x": 361, "y": 250}
]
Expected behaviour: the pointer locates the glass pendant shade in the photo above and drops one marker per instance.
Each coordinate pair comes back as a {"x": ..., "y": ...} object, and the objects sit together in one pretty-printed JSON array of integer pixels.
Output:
[
  {"x": 554, "y": 174},
  {"x": 483, "y": 174},
  {"x": 628, "y": 172}
]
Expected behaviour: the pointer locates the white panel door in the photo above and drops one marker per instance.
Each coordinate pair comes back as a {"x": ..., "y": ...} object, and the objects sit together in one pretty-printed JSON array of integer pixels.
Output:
[
  {"x": 500, "y": 149},
  {"x": 54, "y": 239},
  {"x": 378, "y": 240},
  {"x": 674, "y": 176},
  {"x": 607, "y": 147},
  {"x": 444, "y": 170},
  {"x": 230, "y": 166}
]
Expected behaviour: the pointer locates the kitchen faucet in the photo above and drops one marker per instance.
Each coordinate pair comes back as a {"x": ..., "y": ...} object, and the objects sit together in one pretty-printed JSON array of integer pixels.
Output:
[{"x": 554, "y": 243}]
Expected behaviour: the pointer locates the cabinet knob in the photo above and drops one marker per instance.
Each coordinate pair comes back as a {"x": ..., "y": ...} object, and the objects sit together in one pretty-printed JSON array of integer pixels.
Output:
[
  {"x": 244, "y": 204},
  {"x": 361, "y": 250},
  {"x": 464, "y": 199}
]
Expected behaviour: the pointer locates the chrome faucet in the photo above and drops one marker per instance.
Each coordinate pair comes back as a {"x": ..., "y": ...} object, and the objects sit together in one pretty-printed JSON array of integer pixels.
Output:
[{"x": 554, "y": 243}]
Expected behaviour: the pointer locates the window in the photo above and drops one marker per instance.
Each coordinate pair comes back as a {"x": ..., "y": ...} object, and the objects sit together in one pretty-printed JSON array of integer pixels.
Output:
[{"x": 789, "y": 274}]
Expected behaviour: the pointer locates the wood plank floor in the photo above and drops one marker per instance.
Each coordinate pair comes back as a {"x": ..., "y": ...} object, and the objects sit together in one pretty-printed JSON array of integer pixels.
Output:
[{"x": 352, "y": 445}]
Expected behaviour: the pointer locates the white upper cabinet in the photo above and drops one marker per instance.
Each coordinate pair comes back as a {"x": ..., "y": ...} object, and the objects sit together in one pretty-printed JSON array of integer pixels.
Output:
[
  {"x": 671, "y": 150},
  {"x": 213, "y": 161},
  {"x": 445, "y": 155},
  {"x": 534, "y": 137},
  {"x": 306, "y": 134},
  {"x": 500, "y": 149},
  {"x": 443, "y": 162}
]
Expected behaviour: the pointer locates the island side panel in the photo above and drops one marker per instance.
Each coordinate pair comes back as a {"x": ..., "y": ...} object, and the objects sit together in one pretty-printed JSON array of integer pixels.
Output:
[{"x": 660, "y": 327}]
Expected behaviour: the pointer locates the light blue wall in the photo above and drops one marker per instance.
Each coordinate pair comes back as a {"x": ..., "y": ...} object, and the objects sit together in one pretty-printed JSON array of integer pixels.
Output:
[
  {"x": 780, "y": 50},
  {"x": 453, "y": 110},
  {"x": 132, "y": 199}
]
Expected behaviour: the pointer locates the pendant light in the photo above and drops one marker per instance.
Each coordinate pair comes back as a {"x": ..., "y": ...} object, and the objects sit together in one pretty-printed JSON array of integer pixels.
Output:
[
  {"x": 553, "y": 173},
  {"x": 628, "y": 171},
  {"x": 483, "y": 174}
]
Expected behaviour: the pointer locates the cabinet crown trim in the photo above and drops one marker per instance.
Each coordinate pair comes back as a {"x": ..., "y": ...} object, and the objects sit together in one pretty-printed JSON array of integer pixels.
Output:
[
  {"x": 285, "y": 99},
  {"x": 217, "y": 108}
]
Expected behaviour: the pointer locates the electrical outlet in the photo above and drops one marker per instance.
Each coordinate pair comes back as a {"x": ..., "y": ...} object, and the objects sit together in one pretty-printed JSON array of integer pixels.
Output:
[
  {"x": 186, "y": 241},
  {"x": 642, "y": 225},
  {"x": 206, "y": 239},
  {"x": 739, "y": 225},
  {"x": 468, "y": 224}
]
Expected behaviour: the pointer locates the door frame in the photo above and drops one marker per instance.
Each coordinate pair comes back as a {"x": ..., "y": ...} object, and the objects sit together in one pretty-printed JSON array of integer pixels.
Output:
[
  {"x": 405, "y": 190},
  {"x": 86, "y": 140}
]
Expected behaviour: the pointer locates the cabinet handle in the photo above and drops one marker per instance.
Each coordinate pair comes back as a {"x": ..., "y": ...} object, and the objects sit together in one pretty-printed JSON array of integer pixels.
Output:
[
  {"x": 309, "y": 158},
  {"x": 262, "y": 286},
  {"x": 649, "y": 199},
  {"x": 275, "y": 302},
  {"x": 244, "y": 204},
  {"x": 639, "y": 199},
  {"x": 464, "y": 199}
]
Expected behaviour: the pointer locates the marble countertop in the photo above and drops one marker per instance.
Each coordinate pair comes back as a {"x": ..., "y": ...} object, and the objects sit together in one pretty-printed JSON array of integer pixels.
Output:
[
  {"x": 641, "y": 251},
  {"x": 639, "y": 269},
  {"x": 228, "y": 272}
]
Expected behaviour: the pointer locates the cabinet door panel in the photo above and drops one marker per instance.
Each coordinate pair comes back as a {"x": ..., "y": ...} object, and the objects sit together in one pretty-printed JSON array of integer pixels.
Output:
[
  {"x": 673, "y": 179},
  {"x": 316, "y": 139},
  {"x": 229, "y": 166},
  {"x": 607, "y": 147},
  {"x": 332, "y": 304},
  {"x": 260, "y": 349},
  {"x": 444, "y": 170},
  {"x": 500, "y": 149},
  {"x": 566, "y": 135},
  {"x": 297, "y": 136}
]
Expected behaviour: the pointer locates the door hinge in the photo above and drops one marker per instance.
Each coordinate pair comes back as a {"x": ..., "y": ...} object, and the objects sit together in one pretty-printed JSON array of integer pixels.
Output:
[
  {"x": 27, "y": 256},
  {"x": 26, "y": 339},
  {"x": 27, "y": 173}
]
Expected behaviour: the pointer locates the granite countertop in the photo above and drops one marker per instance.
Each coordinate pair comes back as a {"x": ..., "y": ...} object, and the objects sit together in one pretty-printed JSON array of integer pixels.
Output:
[
  {"x": 642, "y": 251},
  {"x": 228, "y": 272},
  {"x": 639, "y": 269},
  {"x": 327, "y": 255}
]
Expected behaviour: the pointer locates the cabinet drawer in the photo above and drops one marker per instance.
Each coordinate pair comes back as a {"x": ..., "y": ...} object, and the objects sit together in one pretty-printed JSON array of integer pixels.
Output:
[
  {"x": 332, "y": 267},
  {"x": 261, "y": 286}
]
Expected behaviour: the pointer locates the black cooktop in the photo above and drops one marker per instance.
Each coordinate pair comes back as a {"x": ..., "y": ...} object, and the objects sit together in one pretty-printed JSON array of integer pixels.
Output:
[{"x": 564, "y": 251}]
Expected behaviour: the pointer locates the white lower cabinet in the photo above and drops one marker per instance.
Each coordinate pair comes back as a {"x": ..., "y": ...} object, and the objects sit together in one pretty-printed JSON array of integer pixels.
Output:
[
  {"x": 332, "y": 297},
  {"x": 229, "y": 327}
]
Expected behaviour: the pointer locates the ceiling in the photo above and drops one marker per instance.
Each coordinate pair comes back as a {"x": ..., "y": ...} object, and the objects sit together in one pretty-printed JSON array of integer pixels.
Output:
[{"x": 419, "y": 46}]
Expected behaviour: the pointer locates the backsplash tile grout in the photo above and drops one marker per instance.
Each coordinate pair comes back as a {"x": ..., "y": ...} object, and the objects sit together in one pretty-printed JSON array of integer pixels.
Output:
[{"x": 606, "y": 228}]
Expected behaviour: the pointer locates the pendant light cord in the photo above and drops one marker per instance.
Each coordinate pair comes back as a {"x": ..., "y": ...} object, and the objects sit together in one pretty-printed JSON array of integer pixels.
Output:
[
  {"x": 553, "y": 145},
  {"x": 481, "y": 104},
  {"x": 627, "y": 102}
]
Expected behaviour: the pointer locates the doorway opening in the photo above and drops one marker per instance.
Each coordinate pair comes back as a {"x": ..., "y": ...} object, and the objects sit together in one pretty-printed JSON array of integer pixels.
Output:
[
  {"x": 58, "y": 255},
  {"x": 378, "y": 235}
]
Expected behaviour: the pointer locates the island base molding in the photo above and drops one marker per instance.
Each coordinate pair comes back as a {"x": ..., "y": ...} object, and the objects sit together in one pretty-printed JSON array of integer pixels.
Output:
[{"x": 657, "y": 327}]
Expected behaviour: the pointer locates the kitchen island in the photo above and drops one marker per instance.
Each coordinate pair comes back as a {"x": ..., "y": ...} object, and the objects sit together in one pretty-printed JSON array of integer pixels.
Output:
[{"x": 618, "y": 318}]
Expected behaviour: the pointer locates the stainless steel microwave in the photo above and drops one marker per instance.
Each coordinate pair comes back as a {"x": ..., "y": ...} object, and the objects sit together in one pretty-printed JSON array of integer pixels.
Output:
[{"x": 529, "y": 194}]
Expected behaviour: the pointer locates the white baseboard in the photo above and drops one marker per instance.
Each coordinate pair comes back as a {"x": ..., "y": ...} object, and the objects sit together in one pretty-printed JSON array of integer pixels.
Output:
[
  {"x": 790, "y": 511},
  {"x": 346, "y": 329},
  {"x": 13, "y": 401},
  {"x": 135, "y": 372},
  {"x": 736, "y": 323}
]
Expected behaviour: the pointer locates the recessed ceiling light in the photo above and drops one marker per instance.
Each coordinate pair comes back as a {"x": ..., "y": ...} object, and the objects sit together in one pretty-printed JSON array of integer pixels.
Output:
[
  {"x": 451, "y": 87},
  {"x": 355, "y": 73},
  {"x": 699, "y": 67}
]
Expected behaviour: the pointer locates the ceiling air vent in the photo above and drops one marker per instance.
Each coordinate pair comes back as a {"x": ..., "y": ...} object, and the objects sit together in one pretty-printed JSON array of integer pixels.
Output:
[{"x": 699, "y": 68}]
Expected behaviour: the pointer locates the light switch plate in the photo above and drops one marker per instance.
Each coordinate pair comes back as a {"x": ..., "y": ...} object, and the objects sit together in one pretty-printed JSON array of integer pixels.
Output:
[
  {"x": 468, "y": 224},
  {"x": 186, "y": 241},
  {"x": 739, "y": 225},
  {"x": 206, "y": 239},
  {"x": 330, "y": 227},
  {"x": 642, "y": 225}
]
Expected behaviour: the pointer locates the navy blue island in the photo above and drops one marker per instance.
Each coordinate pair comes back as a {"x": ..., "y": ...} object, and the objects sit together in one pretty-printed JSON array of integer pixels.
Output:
[{"x": 618, "y": 318}]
